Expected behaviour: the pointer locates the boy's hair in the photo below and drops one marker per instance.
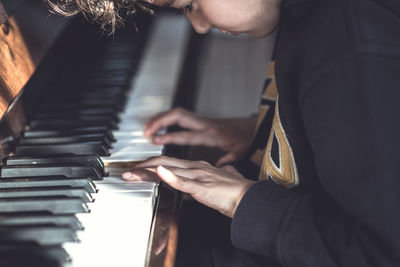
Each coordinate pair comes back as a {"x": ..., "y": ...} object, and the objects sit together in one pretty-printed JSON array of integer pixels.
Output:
[{"x": 108, "y": 13}]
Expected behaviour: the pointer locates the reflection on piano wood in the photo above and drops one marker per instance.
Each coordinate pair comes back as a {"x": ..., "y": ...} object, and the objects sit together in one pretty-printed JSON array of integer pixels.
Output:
[
  {"x": 22, "y": 48},
  {"x": 65, "y": 139}
]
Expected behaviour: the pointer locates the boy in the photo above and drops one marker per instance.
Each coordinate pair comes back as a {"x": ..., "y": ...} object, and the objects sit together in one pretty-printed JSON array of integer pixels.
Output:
[{"x": 328, "y": 188}]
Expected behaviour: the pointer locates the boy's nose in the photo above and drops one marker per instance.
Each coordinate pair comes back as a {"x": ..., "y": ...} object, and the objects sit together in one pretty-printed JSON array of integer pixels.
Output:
[{"x": 200, "y": 25}]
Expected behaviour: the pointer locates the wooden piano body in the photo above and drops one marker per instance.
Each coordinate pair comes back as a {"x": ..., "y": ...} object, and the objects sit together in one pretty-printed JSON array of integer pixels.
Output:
[{"x": 29, "y": 49}]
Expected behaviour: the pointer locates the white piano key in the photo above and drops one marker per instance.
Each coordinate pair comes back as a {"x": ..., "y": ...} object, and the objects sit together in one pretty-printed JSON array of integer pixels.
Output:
[
  {"x": 165, "y": 62},
  {"x": 128, "y": 156},
  {"x": 158, "y": 101},
  {"x": 145, "y": 100},
  {"x": 128, "y": 134},
  {"x": 133, "y": 139},
  {"x": 117, "y": 229},
  {"x": 133, "y": 124},
  {"x": 122, "y": 145},
  {"x": 118, "y": 182}
]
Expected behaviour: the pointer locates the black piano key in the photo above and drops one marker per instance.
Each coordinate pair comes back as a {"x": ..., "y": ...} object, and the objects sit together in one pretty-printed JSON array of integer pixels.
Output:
[
  {"x": 117, "y": 64},
  {"x": 117, "y": 75},
  {"x": 113, "y": 101},
  {"x": 22, "y": 255},
  {"x": 66, "y": 139},
  {"x": 86, "y": 148},
  {"x": 122, "y": 81},
  {"x": 52, "y": 205},
  {"x": 99, "y": 102},
  {"x": 47, "y": 192},
  {"x": 43, "y": 219},
  {"x": 49, "y": 170},
  {"x": 76, "y": 113},
  {"x": 120, "y": 48},
  {"x": 83, "y": 118},
  {"x": 69, "y": 106},
  {"x": 70, "y": 132},
  {"x": 103, "y": 90},
  {"x": 40, "y": 182},
  {"x": 91, "y": 161},
  {"x": 69, "y": 124},
  {"x": 87, "y": 94},
  {"x": 41, "y": 235}
]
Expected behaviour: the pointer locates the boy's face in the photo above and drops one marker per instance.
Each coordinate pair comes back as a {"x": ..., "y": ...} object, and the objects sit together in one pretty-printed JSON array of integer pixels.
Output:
[{"x": 255, "y": 17}]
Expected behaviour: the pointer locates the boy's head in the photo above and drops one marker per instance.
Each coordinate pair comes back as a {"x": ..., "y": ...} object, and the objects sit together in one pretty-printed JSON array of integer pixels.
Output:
[
  {"x": 255, "y": 17},
  {"x": 108, "y": 13}
]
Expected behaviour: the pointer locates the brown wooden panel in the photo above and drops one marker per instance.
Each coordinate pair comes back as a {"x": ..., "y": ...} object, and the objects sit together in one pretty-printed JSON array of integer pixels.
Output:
[
  {"x": 16, "y": 63},
  {"x": 25, "y": 38},
  {"x": 164, "y": 239}
]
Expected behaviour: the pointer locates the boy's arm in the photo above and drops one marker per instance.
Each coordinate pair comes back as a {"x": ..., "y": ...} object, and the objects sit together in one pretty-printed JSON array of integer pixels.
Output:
[{"x": 352, "y": 123}]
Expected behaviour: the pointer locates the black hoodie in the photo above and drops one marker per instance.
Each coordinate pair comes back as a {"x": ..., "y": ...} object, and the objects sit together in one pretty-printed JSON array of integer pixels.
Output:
[{"x": 332, "y": 191}]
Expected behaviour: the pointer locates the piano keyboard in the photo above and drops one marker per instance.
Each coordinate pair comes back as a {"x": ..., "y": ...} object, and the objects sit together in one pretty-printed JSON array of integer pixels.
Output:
[{"x": 61, "y": 197}]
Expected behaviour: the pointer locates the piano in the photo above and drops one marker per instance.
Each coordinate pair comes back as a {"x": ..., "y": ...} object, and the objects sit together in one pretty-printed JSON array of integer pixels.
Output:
[{"x": 73, "y": 103}]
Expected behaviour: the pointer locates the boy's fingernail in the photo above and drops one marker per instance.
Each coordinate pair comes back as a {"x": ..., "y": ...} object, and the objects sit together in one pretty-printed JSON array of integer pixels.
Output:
[{"x": 127, "y": 175}]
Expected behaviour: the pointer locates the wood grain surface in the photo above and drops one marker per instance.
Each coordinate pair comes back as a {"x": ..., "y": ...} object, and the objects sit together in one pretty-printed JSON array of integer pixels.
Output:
[
  {"x": 16, "y": 63},
  {"x": 25, "y": 38},
  {"x": 164, "y": 239}
]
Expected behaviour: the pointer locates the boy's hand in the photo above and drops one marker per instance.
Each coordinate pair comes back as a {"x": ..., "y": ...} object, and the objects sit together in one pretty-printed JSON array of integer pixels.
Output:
[
  {"x": 231, "y": 135},
  {"x": 220, "y": 189}
]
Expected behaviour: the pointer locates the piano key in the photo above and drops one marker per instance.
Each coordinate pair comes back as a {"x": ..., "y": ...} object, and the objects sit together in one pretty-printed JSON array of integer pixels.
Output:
[
  {"x": 49, "y": 170},
  {"x": 53, "y": 205},
  {"x": 41, "y": 219},
  {"x": 128, "y": 134},
  {"x": 131, "y": 151},
  {"x": 79, "y": 112},
  {"x": 84, "y": 148},
  {"x": 91, "y": 161},
  {"x": 68, "y": 117},
  {"x": 70, "y": 132},
  {"x": 129, "y": 156},
  {"x": 47, "y": 192},
  {"x": 88, "y": 114},
  {"x": 129, "y": 185},
  {"x": 131, "y": 233},
  {"x": 41, "y": 235},
  {"x": 84, "y": 86},
  {"x": 128, "y": 138},
  {"x": 117, "y": 65},
  {"x": 68, "y": 124},
  {"x": 138, "y": 145},
  {"x": 102, "y": 89},
  {"x": 90, "y": 97},
  {"x": 43, "y": 182},
  {"x": 89, "y": 105},
  {"x": 85, "y": 97},
  {"x": 136, "y": 124},
  {"x": 109, "y": 80},
  {"x": 111, "y": 96},
  {"x": 82, "y": 102},
  {"x": 19, "y": 255},
  {"x": 66, "y": 139}
]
